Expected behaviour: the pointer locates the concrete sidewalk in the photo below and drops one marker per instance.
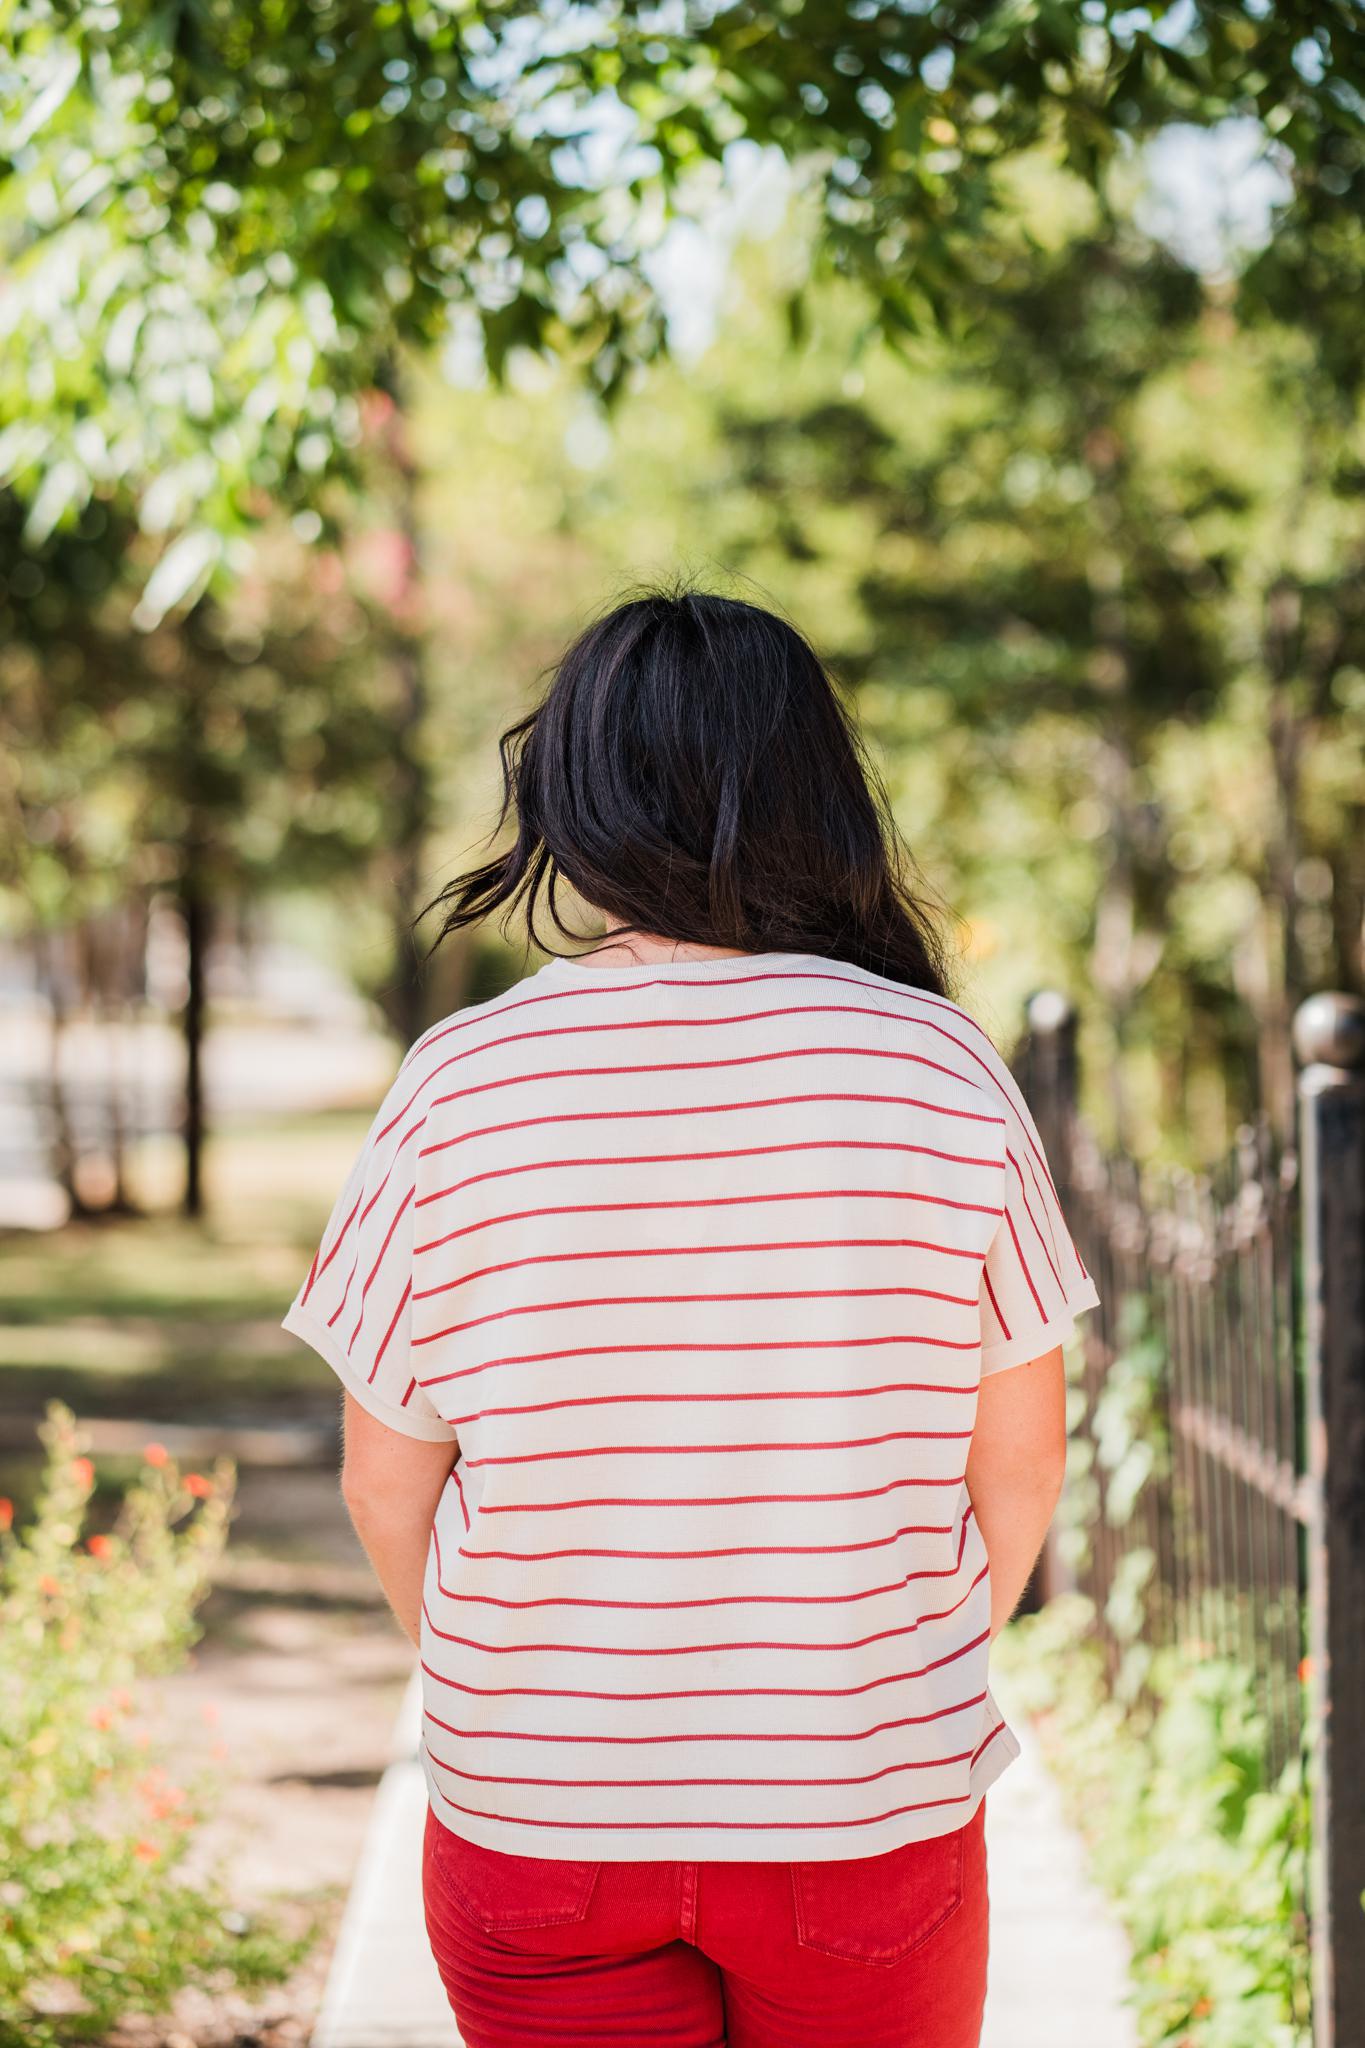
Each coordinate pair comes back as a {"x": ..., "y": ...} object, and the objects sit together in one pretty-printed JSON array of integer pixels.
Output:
[
  {"x": 1057, "y": 1969},
  {"x": 1059, "y": 1961}
]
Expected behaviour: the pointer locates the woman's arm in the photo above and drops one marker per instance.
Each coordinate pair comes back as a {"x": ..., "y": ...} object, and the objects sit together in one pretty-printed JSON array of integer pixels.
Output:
[
  {"x": 1015, "y": 1469},
  {"x": 391, "y": 1484}
]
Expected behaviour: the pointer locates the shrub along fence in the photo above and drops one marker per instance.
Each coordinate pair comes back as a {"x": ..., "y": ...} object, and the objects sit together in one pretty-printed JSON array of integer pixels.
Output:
[{"x": 1217, "y": 1497}]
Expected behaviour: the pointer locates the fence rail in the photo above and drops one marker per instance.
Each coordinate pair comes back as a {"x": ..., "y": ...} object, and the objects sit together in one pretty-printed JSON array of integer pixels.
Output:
[{"x": 1218, "y": 1484}]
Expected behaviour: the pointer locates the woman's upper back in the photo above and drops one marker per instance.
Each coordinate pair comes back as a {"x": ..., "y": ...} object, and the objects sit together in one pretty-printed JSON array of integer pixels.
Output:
[{"x": 701, "y": 1262}]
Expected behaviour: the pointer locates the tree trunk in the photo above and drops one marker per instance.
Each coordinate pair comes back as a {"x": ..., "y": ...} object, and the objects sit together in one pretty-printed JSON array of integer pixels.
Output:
[
  {"x": 1286, "y": 734},
  {"x": 61, "y": 1136},
  {"x": 193, "y": 907},
  {"x": 405, "y": 998}
]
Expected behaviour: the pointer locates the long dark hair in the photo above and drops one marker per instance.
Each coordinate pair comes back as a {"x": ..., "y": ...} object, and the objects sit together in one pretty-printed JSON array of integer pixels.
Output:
[{"x": 692, "y": 772}]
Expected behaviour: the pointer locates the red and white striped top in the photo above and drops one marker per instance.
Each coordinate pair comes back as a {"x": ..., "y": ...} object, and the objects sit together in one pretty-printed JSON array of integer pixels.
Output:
[{"x": 701, "y": 1263}]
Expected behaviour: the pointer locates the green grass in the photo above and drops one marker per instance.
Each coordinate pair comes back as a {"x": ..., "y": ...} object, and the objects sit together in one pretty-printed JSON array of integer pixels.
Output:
[{"x": 159, "y": 1316}]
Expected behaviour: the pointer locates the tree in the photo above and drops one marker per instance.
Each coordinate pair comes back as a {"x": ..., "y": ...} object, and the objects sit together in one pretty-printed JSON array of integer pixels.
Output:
[
  {"x": 1044, "y": 562},
  {"x": 252, "y": 742},
  {"x": 220, "y": 222}
]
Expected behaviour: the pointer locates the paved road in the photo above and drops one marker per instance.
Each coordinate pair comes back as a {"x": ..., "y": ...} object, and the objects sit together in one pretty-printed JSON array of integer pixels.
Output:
[{"x": 1057, "y": 1959}]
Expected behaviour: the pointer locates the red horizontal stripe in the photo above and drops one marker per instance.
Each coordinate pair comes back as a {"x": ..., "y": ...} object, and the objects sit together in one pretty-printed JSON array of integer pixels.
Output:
[
  {"x": 715, "y": 1600},
  {"x": 838, "y": 1443},
  {"x": 697, "y": 1398},
  {"x": 705, "y": 1251},
  {"x": 536, "y": 1821},
  {"x": 719, "y": 1735},
  {"x": 638, "y": 1024},
  {"x": 728, "y": 1550},
  {"x": 597, "y": 1116},
  {"x": 933, "y": 1763},
  {"x": 982, "y": 1747},
  {"x": 690, "y": 1202},
  {"x": 719, "y": 1500},
  {"x": 465, "y": 1372},
  {"x": 632, "y": 1068},
  {"x": 479, "y": 1013},
  {"x": 713, "y": 1692},
  {"x": 997, "y": 1076},
  {"x": 540, "y": 1308},
  {"x": 882, "y": 1635}
]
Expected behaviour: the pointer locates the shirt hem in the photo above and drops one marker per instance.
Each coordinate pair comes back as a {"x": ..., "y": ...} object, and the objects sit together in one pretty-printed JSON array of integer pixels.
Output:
[
  {"x": 605, "y": 1844},
  {"x": 1033, "y": 1344},
  {"x": 301, "y": 1322}
]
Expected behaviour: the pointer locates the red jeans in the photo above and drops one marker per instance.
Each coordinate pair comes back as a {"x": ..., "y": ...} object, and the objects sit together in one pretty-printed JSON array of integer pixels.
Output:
[{"x": 867, "y": 1952}]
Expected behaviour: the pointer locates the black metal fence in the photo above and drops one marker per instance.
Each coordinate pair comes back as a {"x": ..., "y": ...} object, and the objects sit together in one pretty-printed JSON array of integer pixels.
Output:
[{"x": 1217, "y": 1496}]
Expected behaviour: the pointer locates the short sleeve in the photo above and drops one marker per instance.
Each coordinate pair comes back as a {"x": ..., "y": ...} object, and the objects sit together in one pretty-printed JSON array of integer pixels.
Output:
[
  {"x": 1034, "y": 1281},
  {"x": 355, "y": 1306}
]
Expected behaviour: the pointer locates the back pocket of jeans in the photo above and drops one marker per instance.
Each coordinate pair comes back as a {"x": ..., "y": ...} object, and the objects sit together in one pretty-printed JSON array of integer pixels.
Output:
[
  {"x": 878, "y": 1909},
  {"x": 502, "y": 1891}
]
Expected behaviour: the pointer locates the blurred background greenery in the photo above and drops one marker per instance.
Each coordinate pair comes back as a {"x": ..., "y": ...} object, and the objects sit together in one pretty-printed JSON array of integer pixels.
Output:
[{"x": 353, "y": 356}]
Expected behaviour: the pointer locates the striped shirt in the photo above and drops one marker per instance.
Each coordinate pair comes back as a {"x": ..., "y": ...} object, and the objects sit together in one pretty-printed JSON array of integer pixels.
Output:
[{"x": 701, "y": 1263}]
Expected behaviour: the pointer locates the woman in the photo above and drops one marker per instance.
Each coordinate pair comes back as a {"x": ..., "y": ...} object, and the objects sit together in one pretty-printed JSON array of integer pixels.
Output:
[{"x": 698, "y": 1305}]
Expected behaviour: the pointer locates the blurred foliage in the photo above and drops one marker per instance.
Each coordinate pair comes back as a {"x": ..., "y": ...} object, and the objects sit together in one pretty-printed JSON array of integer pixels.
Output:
[
  {"x": 105, "y": 1909},
  {"x": 1205, "y": 1860},
  {"x": 1094, "y": 581},
  {"x": 220, "y": 223},
  {"x": 312, "y": 314}
]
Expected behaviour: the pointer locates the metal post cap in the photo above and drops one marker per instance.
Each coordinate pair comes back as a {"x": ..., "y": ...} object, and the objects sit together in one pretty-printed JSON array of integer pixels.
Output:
[
  {"x": 1049, "y": 1010},
  {"x": 1329, "y": 1031}
]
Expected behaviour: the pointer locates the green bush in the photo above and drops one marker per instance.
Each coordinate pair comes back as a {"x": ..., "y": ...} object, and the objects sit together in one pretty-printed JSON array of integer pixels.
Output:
[
  {"x": 1206, "y": 1860},
  {"x": 100, "y": 1913}
]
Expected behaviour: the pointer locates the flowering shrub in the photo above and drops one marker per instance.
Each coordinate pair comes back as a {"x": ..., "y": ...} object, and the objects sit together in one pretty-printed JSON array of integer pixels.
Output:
[{"x": 101, "y": 1914}]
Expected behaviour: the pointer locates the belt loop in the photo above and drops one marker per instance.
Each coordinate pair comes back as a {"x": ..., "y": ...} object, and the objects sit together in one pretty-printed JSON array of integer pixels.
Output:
[{"x": 687, "y": 1901}]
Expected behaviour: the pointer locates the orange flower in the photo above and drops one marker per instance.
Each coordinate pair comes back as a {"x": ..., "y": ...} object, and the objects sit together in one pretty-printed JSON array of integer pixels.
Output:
[
  {"x": 210, "y": 1712},
  {"x": 196, "y": 1484},
  {"x": 83, "y": 1471},
  {"x": 102, "y": 1717},
  {"x": 47, "y": 1584},
  {"x": 156, "y": 1454},
  {"x": 146, "y": 1851},
  {"x": 6, "y": 1512},
  {"x": 1306, "y": 1671},
  {"x": 99, "y": 1546}
]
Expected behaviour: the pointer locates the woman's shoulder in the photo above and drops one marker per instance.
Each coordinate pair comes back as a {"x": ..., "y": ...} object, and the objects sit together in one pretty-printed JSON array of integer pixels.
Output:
[
  {"x": 927, "y": 1007},
  {"x": 470, "y": 1025}
]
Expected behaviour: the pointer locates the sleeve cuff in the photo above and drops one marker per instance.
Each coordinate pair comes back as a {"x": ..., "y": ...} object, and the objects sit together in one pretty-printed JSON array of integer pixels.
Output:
[
  {"x": 1035, "y": 1342},
  {"x": 407, "y": 1421}
]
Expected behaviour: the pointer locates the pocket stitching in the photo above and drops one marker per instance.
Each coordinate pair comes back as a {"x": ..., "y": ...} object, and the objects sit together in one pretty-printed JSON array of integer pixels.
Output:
[
  {"x": 957, "y": 1890},
  {"x": 514, "y": 1922}
]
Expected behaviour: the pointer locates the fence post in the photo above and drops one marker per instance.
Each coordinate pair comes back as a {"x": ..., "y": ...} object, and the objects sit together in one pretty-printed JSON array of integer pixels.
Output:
[
  {"x": 1052, "y": 1077},
  {"x": 1329, "y": 1038},
  {"x": 1051, "y": 1086}
]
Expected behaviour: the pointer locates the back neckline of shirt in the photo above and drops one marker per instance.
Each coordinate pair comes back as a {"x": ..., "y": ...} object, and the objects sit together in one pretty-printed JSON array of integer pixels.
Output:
[{"x": 730, "y": 963}]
